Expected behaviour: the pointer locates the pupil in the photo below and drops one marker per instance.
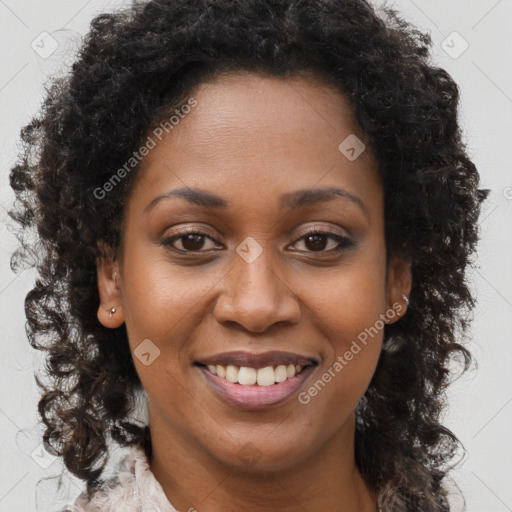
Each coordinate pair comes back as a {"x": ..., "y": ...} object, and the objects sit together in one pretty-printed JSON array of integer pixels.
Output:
[
  {"x": 318, "y": 242},
  {"x": 193, "y": 242}
]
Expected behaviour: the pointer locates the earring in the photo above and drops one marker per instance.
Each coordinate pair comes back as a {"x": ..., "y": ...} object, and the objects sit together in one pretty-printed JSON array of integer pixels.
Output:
[
  {"x": 406, "y": 301},
  {"x": 112, "y": 311}
]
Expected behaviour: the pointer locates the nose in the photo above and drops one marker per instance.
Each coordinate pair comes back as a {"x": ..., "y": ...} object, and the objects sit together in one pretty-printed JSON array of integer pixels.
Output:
[{"x": 255, "y": 297}]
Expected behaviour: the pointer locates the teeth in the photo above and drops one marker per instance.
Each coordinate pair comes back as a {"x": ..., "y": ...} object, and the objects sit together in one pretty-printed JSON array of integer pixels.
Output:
[
  {"x": 266, "y": 376},
  {"x": 232, "y": 373},
  {"x": 247, "y": 376},
  {"x": 259, "y": 376},
  {"x": 281, "y": 374}
]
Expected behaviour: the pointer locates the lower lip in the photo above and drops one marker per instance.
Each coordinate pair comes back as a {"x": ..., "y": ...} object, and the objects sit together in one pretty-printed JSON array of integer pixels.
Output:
[{"x": 254, "y": 396}]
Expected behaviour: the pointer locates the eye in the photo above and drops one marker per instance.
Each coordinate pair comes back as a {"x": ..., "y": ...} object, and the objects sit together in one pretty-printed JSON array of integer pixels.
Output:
[
  {"x": 190, "y": 240},
  {"x": 324, "y": 242}
]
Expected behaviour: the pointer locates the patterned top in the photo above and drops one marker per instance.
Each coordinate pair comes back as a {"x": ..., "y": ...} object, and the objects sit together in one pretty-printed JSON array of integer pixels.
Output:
[{"x": 134, "y": 488}]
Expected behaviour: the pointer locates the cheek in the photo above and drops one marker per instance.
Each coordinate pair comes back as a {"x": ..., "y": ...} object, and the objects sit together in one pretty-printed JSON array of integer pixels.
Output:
[
  {"x": 350, "y": 301},
  {"x": 163, "y": 303},
  {"x": 160, "y": 297},
  {"x": 349, "y": 312},
  {"x": 160, "y": 315}
]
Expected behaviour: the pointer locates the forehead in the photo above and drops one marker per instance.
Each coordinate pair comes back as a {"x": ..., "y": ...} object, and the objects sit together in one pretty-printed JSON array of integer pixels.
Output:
[
  {"x": 251, "y": 109},
  {"x": 261, "y": 135}
]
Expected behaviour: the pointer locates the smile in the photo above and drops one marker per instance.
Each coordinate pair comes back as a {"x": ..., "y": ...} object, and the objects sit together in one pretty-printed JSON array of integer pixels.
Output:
[{"x": 251, "y": 388}]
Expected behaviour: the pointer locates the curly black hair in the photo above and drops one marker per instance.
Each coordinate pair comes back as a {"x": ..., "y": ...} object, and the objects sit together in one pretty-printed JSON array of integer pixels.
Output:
[{"x": 136, "y": 66}]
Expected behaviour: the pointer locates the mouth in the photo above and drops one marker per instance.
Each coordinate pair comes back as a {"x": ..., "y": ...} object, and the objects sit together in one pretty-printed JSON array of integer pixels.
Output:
[{"x": 256, "y": 381}]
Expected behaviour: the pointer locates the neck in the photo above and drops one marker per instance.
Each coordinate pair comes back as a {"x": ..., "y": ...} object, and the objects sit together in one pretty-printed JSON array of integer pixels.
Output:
[{"x": 193, "y": 479}]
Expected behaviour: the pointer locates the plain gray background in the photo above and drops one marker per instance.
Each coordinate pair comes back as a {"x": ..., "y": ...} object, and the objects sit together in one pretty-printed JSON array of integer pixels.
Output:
[{"x": 472, "y": 42}]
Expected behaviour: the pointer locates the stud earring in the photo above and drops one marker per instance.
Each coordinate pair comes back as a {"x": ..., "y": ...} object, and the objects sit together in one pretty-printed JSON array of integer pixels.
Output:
[{"x": 111, "y": 310}]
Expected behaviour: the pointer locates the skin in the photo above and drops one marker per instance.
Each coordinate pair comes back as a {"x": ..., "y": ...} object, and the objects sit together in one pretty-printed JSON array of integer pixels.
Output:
[{"x": 251, "y": 139}]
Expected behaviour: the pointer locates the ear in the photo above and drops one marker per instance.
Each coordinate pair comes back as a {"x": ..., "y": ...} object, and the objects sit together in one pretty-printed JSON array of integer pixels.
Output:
[
  {"x": 399, "y": 285},
  {"x": 110, "y": 311}
]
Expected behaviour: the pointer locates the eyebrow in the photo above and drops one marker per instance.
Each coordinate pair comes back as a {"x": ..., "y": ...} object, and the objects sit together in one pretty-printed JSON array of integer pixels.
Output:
[
  {"x": 292, "y": 200},
  {"x": 308, "y": 196},
  {"x": 192, "y": 195}
]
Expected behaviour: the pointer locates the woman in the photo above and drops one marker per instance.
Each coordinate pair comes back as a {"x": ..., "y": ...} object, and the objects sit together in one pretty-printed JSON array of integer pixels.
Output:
[{"x": 258, "y": 215}]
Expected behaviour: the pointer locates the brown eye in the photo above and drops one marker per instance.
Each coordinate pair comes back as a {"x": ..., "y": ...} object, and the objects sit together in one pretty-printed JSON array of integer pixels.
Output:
[
  {"x": 324, "y": 242},
  {"x": 190, "y": 242},
  {"x": 316, "y": 242}
]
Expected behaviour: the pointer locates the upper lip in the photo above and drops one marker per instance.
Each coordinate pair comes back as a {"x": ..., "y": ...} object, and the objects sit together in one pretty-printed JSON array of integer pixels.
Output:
[{"x": 253, "y": 360}]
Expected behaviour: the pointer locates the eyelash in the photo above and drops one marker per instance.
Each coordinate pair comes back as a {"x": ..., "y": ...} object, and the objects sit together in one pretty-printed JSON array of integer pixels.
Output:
[{"x": 343, "y": 242}]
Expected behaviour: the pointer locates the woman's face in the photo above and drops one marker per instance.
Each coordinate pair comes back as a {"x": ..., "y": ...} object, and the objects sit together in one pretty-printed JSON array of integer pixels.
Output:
[{"x": 220, "y": 263}]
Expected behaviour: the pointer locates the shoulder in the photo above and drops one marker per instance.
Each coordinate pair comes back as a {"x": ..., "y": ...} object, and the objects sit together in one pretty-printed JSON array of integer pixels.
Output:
[{"x": 133, "y": 488}]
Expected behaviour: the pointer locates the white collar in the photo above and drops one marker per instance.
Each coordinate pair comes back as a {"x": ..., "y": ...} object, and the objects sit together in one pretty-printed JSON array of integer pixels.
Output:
[{"x": 133, "y": 488}]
